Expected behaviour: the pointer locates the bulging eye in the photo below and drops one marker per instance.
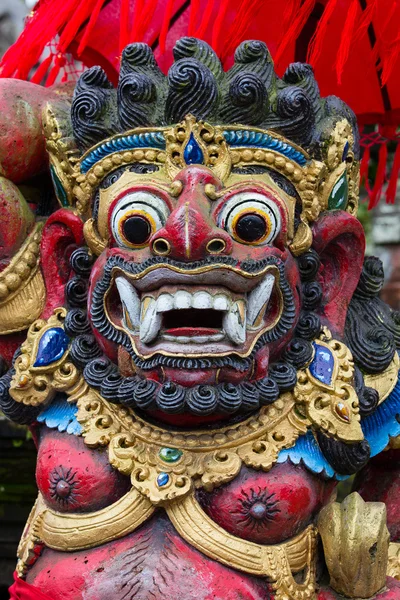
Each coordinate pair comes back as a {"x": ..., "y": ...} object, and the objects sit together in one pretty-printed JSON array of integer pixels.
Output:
[
  {"x": 250, "y": 218},
  {"x": 136, "y": 217}
]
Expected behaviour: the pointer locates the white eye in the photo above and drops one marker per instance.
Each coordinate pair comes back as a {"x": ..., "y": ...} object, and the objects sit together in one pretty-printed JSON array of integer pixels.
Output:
[
  {"x": 250, "y": 218},
  {"x": 136, "y": 217}
]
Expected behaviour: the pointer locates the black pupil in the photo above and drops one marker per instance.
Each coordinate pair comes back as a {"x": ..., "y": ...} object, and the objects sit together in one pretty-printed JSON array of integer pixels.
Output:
[
  {"x": 136, "y": 230},
  {"x": 251, "y": 227}
]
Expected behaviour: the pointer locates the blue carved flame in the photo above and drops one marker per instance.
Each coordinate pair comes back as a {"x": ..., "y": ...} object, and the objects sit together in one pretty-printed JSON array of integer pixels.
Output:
[
  {"x": 52, "y": 345},
  {"x": 192, "y": 153}
]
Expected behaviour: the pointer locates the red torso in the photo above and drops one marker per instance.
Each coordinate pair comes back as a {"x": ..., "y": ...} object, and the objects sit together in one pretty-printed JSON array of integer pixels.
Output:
[{"x": 266, "y": 508}]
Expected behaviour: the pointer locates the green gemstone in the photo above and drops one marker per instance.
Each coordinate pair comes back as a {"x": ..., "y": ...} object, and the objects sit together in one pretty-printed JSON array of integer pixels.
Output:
[
  {"x": 170, "y": 455},
  {"x": 339, "y": 194}
]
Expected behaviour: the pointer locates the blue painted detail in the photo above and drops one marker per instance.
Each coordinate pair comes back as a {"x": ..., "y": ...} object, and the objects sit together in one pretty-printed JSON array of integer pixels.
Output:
[
  {"x": 345, "y": 151},
  {"x": 378, "y": 428},
  {"x": 383, "y": 424},
  {"x": 58, "y": 187},
  {"x": 192, "y": 154},
  {"x": 162, "y": 479},
  {"x": 257, "y": 139},
  {"x": 61, "y": 415},
  {"x": 52, "y": 345},
  {"x": 322, "y": 364},
  {"x": 307, "y": 452},
  {"x": 150, "y": 139}
]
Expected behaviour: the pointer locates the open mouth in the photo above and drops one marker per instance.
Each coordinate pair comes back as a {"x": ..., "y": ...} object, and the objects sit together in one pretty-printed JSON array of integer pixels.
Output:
[{"x": 211, "y": 312}]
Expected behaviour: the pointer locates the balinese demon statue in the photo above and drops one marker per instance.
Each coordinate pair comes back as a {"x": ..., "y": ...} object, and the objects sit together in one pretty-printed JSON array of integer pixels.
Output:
[{"x": 200, "y": 350}]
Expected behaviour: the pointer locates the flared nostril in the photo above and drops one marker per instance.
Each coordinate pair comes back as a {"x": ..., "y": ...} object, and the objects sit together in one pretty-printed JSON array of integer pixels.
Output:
[
  {"x": 161, "y": 247},
  {"x": 216, "y": 246}
]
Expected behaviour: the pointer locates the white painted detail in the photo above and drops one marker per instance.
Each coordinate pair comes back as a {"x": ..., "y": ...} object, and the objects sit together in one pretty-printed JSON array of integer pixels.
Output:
[
  {"x": 233, "y": 326},
  {"x": 258, "y": 299},
  {"x": 130, "y": 300}
]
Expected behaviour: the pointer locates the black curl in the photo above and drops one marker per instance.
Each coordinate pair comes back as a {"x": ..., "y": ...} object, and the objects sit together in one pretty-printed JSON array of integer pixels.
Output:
[
  {"x": 299, "y": 353},
  {"x": 373, "y": 346},
  {"x": 309, "y": 326},
  {"x": 84, "y": 348},
  {"x": 202, "y": 400},
  {"x": 250, "y": 396},
  {"x": 284, "y": 374},
  {"x": 76, "y": 292},
  {"x": 81, "y": 262},
  {"x": 110, "y": 385},
  {"x": 192, "y": 89},
  {"x": 190, "y": 47},
  {"x": 229, "y": 397},
  {"x": 76, "y": 322},
  {"x": 371, "y": 279},
  {"x": 312, "y": 295},
  {"x": 171, "y": 398},
  {"x": 295, "y": 115},
  {"x": 247, "y": 101},
  {"x": 92, "y": 108},
  {"x": 346, "y": 459},
  {"x": 309, "y": 264},
  {"x": 368, "y": 398},
  {"x": 126, "y": 390},
  {"x": 145, "y": 393},
  {"x": 136, "y": 97},
  {"x": 97, "y": 369},
  {"x": 268, "y": 391}
]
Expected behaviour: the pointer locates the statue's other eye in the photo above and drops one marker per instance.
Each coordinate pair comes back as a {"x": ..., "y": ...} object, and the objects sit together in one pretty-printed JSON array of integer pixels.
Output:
[
  {"x": 250, "y": 218},
  {"x": 135, "y": 218}
]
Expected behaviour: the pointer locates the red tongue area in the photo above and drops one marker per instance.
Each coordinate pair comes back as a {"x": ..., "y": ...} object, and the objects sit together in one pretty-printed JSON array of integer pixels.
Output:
[{"x": 191, "y": 331}]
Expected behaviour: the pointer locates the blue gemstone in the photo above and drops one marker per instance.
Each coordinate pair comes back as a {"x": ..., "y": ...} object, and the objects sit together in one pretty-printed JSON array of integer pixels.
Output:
[
  {"x": 192, "y": 153},
  {"x": 52, "y": 346},
  {"x": 162, "y": 479},
  {"x": 323, "y": 364}
]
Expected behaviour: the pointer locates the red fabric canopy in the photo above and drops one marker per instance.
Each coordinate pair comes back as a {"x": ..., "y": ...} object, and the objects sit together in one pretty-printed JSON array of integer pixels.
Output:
[{"x": 353, "y": 45}]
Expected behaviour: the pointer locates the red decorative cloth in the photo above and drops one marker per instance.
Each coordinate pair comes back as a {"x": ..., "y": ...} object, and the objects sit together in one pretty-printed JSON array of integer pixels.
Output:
[{"x": 20, "y": 590}]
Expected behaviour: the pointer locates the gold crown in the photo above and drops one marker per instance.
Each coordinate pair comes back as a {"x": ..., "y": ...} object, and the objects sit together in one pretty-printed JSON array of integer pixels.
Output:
[{"x": 326, "y": 184}]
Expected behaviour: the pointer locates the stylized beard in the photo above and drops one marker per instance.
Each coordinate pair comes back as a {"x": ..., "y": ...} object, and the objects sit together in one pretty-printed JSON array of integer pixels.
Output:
[{"x": 171, "y": 397}]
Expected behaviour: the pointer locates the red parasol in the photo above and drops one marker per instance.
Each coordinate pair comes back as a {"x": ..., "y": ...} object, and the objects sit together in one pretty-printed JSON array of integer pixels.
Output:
[{"x": 353, "y": 45}]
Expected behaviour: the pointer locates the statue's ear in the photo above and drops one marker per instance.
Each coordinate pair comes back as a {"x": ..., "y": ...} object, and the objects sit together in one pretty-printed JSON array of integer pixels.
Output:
[
  {"x": 62, "y": 233},
  {"x": 339, "y": 240}
]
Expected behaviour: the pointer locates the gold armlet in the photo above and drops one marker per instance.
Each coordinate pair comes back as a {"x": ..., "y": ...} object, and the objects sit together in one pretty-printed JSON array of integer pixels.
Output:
[
  {"x": 22, "y": 289},
  {"x": 277, "y": 563},
  {"x": 69, "y": 532}
]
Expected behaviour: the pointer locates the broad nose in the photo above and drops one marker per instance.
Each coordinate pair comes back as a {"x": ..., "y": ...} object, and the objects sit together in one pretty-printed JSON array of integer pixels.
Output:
[{"x": 190, "y": 232}]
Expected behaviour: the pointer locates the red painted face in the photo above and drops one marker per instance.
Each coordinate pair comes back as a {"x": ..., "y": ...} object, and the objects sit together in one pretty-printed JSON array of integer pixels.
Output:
[{"x": 198, "y": 271}]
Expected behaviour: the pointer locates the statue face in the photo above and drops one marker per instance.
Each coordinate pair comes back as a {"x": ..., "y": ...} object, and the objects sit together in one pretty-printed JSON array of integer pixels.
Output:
[
  {"x": 199, "y": 208},
  {"x": 196, "y": 268}
]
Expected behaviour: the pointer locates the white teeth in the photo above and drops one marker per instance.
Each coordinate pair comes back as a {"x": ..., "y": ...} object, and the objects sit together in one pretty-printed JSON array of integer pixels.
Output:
[
  {"x": 234, "y": 323},
  {"x": 195, "y": 339},
  {"x": 221, "y": 303},
  {"x": 202, "y": 300},
  {"x": 130, "y": 300},
  {"x": 146, "y": 315},
  {"x": 258, "y": 299},
  {"x": 182, "y": 300},
  {"x": 165, "y": 302},
  {"x": 150, "y": 321}
]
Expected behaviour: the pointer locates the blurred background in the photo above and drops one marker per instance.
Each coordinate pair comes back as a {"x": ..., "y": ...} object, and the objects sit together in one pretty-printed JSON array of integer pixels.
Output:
[{"x": 17, "y": 466}]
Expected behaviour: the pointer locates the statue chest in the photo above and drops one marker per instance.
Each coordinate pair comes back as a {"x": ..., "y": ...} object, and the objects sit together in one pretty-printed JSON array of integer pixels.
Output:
[{"x": 265, "y": 508}]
